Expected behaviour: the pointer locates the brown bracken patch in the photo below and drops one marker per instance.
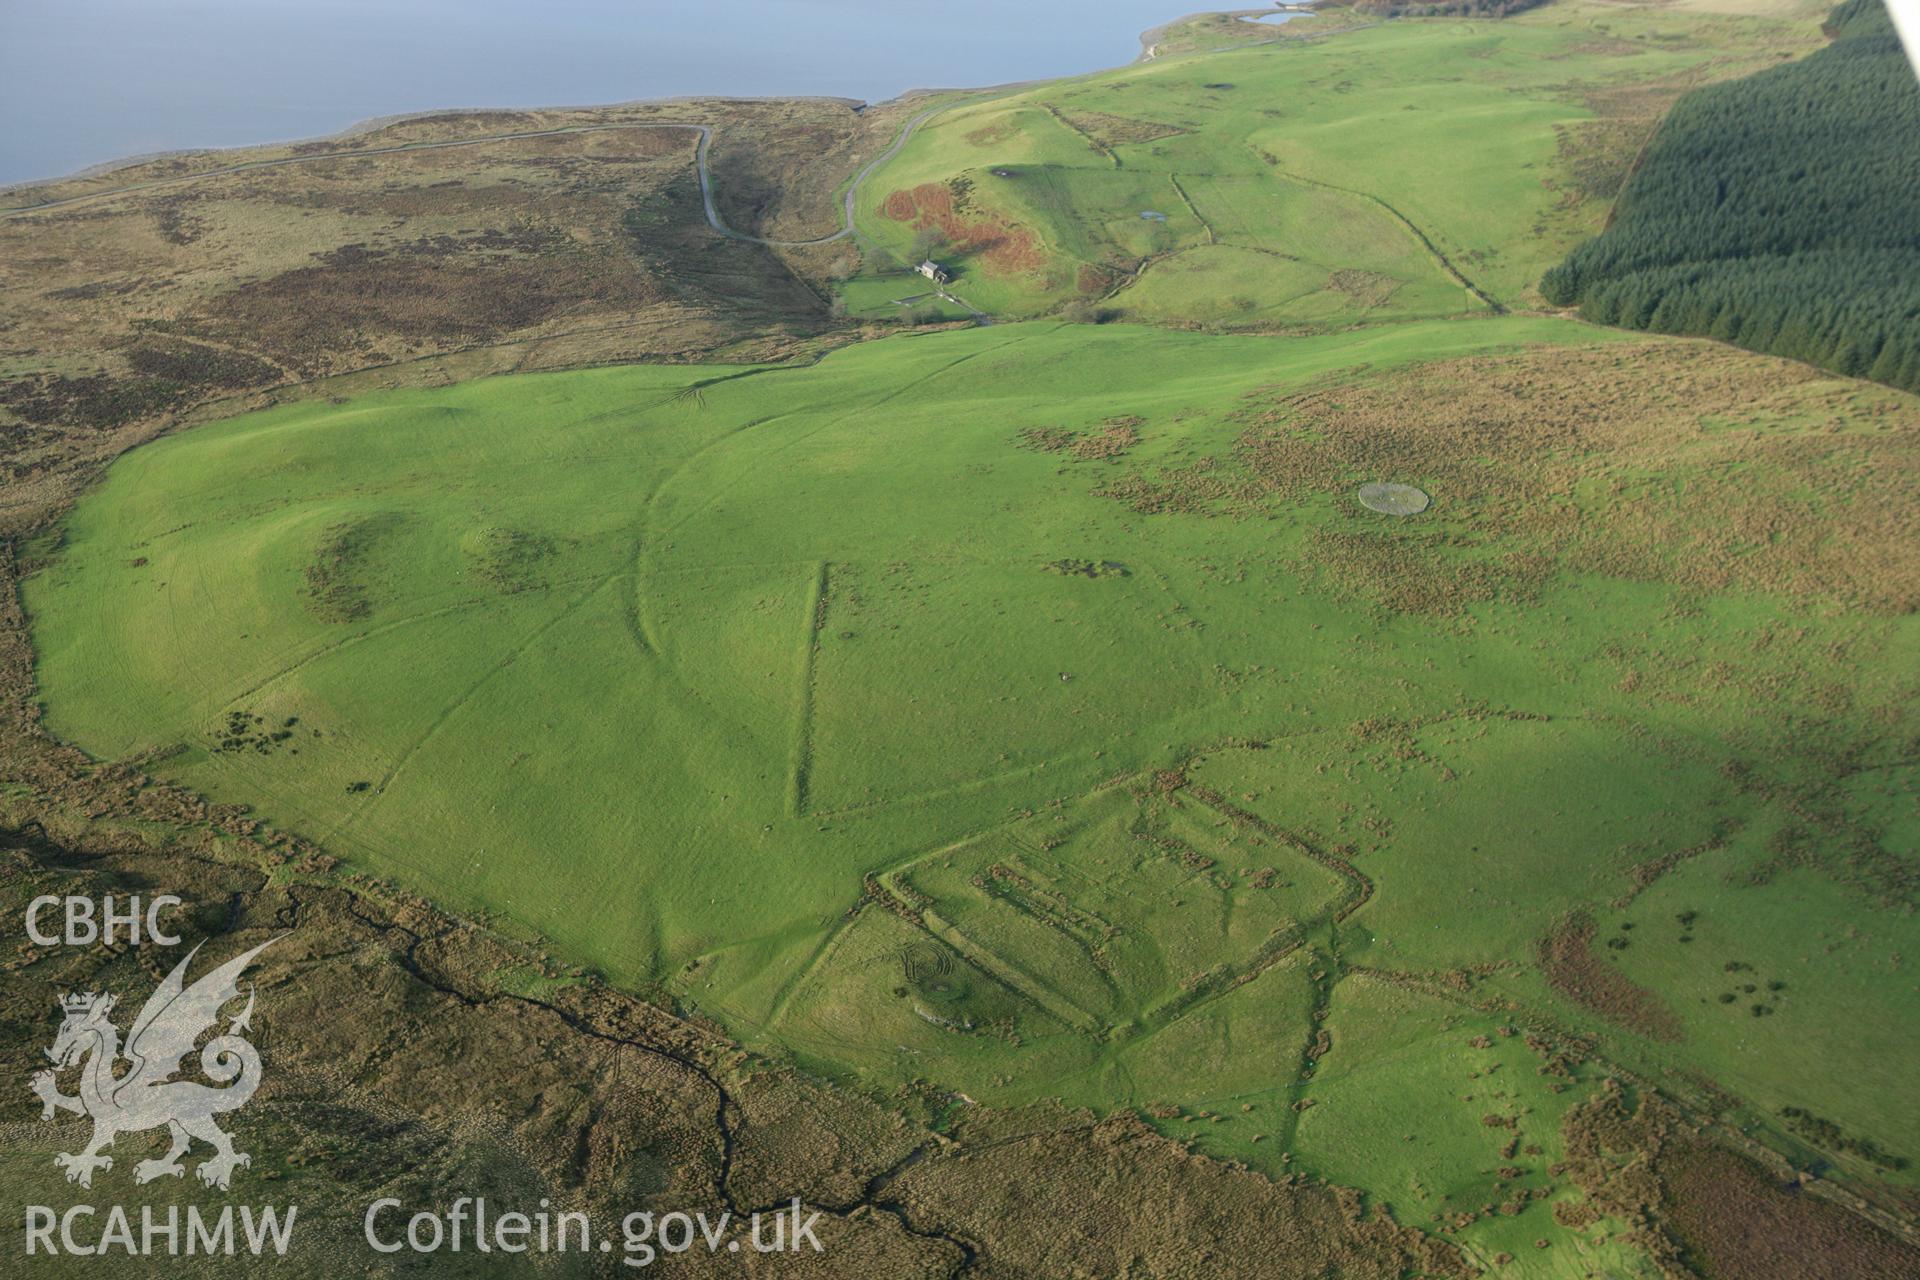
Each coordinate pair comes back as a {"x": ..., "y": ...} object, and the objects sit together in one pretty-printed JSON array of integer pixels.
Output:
[
  {"x": 1572, "y": 969},
  {"x": 422, "y": 294},
  {"x": 1676, "y": 462},
  {"x": 1742, "y": 1224},
  {"x": 1117, "y": 1200},
  {"x": 1003, "y": 248},
  {"x": 1401, "y": 574},
  {"x": 1596, "y": 155},
  {"x": 1698, "y": 1208},
  {"x": 1112, "y": 440}
]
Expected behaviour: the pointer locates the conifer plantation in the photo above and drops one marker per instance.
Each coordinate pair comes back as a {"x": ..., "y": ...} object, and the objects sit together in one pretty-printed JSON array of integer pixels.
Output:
[{"x": 1780, "y": 212}]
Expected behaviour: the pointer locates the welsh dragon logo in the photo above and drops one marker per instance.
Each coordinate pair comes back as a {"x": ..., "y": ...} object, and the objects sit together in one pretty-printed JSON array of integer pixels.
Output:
[{"x": 147, "y": 1096}]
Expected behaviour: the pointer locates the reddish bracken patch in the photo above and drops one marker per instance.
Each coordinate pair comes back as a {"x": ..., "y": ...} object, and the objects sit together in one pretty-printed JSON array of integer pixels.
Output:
[
  {"x": 1567, "y": 957},
  {"x": 1003, "y": 249}
]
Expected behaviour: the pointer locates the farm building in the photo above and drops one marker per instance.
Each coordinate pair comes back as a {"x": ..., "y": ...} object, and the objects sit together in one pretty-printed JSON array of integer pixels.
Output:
[{"x": 934, "y": 271}]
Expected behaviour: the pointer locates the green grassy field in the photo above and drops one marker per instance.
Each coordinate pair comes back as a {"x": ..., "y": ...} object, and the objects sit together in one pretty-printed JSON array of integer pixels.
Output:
[
  {"x": 1401, "y": 170},
  {"x": 1033, "y": 709},
  {"x": 1138, "y": 735},
  {"x": 409, "y": 574}
]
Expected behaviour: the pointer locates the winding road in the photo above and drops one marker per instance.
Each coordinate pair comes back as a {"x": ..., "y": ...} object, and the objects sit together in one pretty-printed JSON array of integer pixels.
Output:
[{"x": 846, "y": 210}]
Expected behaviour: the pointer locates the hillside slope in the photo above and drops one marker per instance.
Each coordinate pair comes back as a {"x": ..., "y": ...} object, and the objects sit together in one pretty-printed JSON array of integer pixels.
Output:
[
  {"x": 1399, "y": 170},
  {"x": 1780, "y": 212}
]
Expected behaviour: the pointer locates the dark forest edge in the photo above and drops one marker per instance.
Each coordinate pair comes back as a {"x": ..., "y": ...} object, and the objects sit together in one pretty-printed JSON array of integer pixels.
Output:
[{"x": 1780, "y": 212}]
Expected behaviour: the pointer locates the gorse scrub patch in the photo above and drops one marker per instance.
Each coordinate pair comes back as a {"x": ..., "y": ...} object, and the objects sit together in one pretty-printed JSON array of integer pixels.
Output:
[{"x": 1780, "y": 213}]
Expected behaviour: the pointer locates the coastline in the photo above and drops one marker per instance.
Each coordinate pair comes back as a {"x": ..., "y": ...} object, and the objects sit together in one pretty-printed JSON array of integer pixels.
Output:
[
  {"x": 1151, "y": 38},
  {"x": 1148, "y": 40},
  {"x": 372, "y": 124}
]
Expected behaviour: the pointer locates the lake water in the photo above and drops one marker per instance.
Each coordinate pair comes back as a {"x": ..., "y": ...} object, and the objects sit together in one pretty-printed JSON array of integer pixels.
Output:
[{"x": 87, "y": 81}]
